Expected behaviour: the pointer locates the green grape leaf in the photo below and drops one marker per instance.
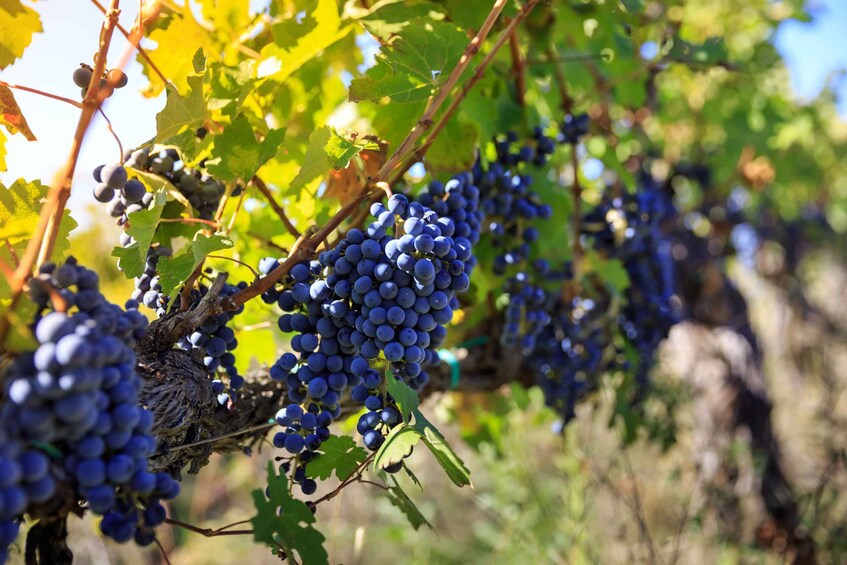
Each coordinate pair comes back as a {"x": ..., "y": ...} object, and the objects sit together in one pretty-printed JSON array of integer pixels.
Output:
[
  {"x": 20, "y": 207},
  {"x": 236, "y": 153},
  {"x": 398, "y": 445},
  {"x": 315, "y": 163},
  {"x": 711, "y": 51},
  {"x": 20, "y": 337},
  {"x": 278, "y": 63},
  {"x": 11, "y": 115},
  {"x": 611, "y": 271},
  {"x": 414, "y": 65},
  {"x": 284, "y": 520},
  {"x": 412, "y": 476},
  {"x": 339, "y": 150},
  {"x": 18, "y": 24},
  {"x": 173, "y": 271},
  {"x": 405, "y": 397},
  {"x": 389, "y": 17},
  {"x": 142, "y": 228},
  {"x": 230, "y": 86},
  {"x": 398, "y": 497},
  {"x": 339, "y": 454},
  {"x": 455, "y": 148},
  {"x": 444, "y": 454},
  {"x": 181, "y": 113}
]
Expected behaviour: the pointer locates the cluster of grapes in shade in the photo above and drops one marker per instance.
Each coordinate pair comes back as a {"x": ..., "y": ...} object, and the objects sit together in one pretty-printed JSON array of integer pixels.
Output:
[
  {"x": 214, "y": 340},
  {"x": 379, "y": 299},
  {"x": 126, "y": 195},
  {"x": 567, "y": 338},
  {"x": 71, "y": 428}
]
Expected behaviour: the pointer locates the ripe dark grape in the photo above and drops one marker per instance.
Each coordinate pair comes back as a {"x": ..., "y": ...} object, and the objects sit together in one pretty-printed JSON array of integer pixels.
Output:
[
  {"x": 78, "y": 392},
  {"x": 82, "y": 77}
]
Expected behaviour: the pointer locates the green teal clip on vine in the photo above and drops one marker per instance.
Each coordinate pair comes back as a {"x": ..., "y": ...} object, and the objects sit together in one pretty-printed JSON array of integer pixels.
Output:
[{"x": 455, "y": 370}]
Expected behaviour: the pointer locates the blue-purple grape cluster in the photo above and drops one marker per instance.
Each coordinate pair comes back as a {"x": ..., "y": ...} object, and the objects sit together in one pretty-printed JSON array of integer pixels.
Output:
[
  {"x": 569, "y": 354},
  {"x": 459, "y": 200},
  {"x": 214, "y": 340},
  {"x": 148, "y": 290},
  {"x": 76, "y": 397},
  {"x": 630, "y": 229},
  {"x": 128, "y": 195},
  {"x": 567, "y": 342},
  {"x": 379, "y": 298},
  {"x": 573, "y": 127}
]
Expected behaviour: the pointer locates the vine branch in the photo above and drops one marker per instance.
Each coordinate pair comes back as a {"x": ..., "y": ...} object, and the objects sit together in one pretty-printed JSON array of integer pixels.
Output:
[
  {"x": 41, "y": 93},
  {"x": 426, "y": 120},
  {"x": 209, "y": 532},
  {"x": 466, "y": 88},
  {"x": 518, "y": 68},
  {"x": 280, "y": 211},
  {"x": 134, "y": 38},
  {"x": 40, "y": 247}
]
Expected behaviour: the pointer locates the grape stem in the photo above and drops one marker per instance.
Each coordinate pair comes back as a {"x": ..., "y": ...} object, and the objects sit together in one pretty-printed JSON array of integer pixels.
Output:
[
  {"x": 41, "y": 93},
  {"x": 518, "y": 68},
  {"x": 234, "y": 260},
  {"x": 576, "y": 58},
  {"x": 576, "y": 191},
  {"x": 355, "y": 477},
  {"x": 165, "y": 557},
  {"x": 115, "y": 135},
  {"x": 258, "y": 428},
  {"x": 6, "y": 269},
  {"x": 279, "y": 210},
  {"x": 209, "y": 223},
  {"x": 40, "y": 246},
  {"x": 185, "y": 293},
  {"x": 135, "y": 39},
  {"x": 11, "y": 251},
  {"x": 209, "y": 532}
]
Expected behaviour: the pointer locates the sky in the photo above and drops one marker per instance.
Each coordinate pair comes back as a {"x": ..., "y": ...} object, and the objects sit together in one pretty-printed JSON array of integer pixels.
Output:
[{"x": 813, "y": 51}]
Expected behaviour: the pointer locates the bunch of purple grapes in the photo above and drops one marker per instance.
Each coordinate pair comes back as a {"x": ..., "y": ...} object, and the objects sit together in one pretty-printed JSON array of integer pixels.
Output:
[{"x": 77, "y": 393}]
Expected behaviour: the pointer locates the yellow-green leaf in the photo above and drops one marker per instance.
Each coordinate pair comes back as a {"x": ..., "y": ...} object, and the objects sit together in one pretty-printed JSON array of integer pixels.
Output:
[
  {"x": 279, "y": 63},
  {"x": 181, "y": 113},
  {"x": 17, "y": 26},
  {"x": 177, "y": 42}
]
